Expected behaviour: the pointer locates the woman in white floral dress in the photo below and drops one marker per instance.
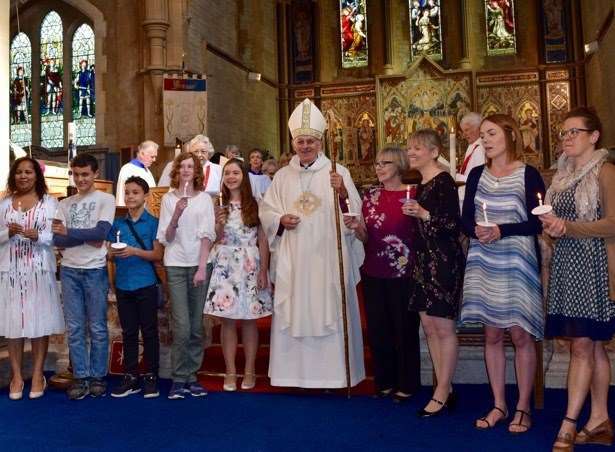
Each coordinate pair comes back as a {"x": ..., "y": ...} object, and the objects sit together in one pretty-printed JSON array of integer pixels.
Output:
[{"x": 239, "y": 287}]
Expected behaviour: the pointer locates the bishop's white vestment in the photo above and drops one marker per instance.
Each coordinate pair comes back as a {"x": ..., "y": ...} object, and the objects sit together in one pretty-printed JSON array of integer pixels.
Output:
[{"x": 307, "y": 342}]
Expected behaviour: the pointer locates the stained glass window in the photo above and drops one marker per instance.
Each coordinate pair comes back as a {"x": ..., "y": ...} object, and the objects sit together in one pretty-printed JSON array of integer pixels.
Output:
[
  {"x": 52, "y": 89},
  {"x": 425, "y": 28},
  {"x": 500, "y": 23},
  {"x": 84, "y": 93},
  {"x": 353, "y": 33},
  {"x": 20, "y": 95}
]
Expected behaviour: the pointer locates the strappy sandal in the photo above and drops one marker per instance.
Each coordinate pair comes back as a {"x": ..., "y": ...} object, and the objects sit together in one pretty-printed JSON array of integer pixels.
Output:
[
  {"x": 601, "y": 435},
  {"x": 484, "y": 419},
  {"x": 526, "y": 427},
  {"x": 567, "y": 439}
]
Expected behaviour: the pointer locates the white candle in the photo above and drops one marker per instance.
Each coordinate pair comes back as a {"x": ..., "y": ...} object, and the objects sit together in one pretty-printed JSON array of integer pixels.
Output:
[
  {"x": 19, "y": 207},
  {"x": 348, "y": 203},
  {"x": 452, "y": 158},
  {"x": 539, "y": 199},
  {"x": 117, "y": 237},
  {"x": 220, "y": 199},
  {"x": 407, "y": 192},
  {"x": 185, "y": 189},
  {"x": 485, "y": 212}
]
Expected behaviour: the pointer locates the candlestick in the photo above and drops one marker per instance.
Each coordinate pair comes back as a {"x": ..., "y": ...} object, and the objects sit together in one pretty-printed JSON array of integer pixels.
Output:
[
  {"x": 539, "y": 199},
  {"x": 452, "y": 158},
  {"x": 485, "y": 212}
]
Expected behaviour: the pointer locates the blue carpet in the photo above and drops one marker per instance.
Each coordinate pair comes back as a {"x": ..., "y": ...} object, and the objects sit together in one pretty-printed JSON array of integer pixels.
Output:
[{"x": 266, "y": 422}]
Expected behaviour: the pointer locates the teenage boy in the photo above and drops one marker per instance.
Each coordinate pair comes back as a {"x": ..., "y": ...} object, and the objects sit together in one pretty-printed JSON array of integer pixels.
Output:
[
  {"x": 136, "y": 290},
  {"x": 81, "y": 225}
]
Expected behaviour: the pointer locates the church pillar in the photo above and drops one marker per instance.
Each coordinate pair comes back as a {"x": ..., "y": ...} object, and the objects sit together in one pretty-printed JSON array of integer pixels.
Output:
[
  {"x": 5, "y": 10},
  {"x": 283, "y": 76},
  {"x": 155, "y": 25},
  {"x": 466, "y": 28},
  {"x": 388, "y": 40}
]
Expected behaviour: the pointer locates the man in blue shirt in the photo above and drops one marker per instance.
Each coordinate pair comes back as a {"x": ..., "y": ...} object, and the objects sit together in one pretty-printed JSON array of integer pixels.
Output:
[{"x": 134, "y": 249}]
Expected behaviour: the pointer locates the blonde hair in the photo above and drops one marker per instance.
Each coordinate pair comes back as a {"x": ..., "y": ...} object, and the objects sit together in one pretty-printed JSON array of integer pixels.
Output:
[
  {"x": 396, "y": 155},
  {"x": 428, "y": 138}
]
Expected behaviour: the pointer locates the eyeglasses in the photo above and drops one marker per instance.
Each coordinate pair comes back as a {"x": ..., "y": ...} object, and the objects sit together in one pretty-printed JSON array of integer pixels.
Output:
[
  {"x": 382, "y": 163},
  {"x": 571, "y": 133}
]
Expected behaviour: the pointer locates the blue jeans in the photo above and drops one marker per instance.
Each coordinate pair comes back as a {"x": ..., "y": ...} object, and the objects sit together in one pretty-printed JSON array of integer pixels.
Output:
[{"x": 84, "y": 292}]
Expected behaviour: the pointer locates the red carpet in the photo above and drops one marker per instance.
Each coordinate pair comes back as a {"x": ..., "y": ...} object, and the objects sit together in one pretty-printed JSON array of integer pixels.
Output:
[{"x": 212, "y": 371}]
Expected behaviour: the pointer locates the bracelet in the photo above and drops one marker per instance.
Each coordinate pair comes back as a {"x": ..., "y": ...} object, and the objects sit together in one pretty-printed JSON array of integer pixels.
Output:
[{"x": 428, "y": 217}]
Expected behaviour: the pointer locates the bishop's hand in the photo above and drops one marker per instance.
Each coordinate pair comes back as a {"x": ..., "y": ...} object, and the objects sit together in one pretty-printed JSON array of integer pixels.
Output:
[
  {"x": 337, "y": 182},
  {"x": 290, "y": 221}
]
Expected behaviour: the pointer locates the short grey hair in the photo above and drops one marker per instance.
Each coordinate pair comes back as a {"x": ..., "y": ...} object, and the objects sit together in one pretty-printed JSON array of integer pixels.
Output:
[
  {"x": 147, "y": 144},
  {"x": 231, "y": 147},
  {"x": 204, "y": 140},
  {"x": 472, "y": 119}
]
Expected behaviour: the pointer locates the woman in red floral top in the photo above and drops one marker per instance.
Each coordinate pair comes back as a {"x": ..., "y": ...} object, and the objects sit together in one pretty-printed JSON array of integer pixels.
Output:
[{"x": 387, "y": 234}]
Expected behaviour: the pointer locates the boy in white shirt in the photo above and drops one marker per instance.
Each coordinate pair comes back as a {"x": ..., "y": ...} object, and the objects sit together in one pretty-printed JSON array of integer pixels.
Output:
[{"x": 81, "y": 224}]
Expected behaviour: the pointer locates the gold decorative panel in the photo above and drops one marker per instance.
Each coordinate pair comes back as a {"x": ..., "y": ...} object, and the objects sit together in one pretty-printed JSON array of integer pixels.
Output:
[{"x": 558, "y": 104}]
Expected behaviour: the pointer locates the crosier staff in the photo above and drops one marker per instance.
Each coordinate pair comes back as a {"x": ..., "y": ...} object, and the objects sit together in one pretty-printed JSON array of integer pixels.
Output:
[{"x": 340, "y": 259}]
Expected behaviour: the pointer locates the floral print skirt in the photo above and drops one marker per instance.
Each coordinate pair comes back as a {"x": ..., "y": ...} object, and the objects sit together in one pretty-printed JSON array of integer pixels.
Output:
[{"x": 233, "y": 291}]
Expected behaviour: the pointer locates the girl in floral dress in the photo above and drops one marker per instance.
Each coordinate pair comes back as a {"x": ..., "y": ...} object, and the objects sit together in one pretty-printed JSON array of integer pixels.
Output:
[{"x": 239, "y": 285}]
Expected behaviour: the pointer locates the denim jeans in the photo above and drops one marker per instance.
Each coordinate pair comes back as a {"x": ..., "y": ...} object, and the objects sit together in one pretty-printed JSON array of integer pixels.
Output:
[
  {"x": 84, "y": 293},
  {"x": 187, "y": 304}
]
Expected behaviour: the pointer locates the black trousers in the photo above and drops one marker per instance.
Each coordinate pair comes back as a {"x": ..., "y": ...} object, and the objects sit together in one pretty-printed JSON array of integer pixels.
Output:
[
  {"x": 138, "y": 310},
  {"x": 393, "y": 333}
]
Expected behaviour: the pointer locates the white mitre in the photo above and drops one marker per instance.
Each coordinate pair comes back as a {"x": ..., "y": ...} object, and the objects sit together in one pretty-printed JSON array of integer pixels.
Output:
[{"x": 307, "y": 119}]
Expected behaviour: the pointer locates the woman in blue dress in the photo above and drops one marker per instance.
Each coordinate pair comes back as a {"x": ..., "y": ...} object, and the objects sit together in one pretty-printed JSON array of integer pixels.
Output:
[{"x": 502, "y": 288}]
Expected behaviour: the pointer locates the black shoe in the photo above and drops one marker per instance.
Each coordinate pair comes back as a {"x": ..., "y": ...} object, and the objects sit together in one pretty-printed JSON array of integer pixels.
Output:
[
  {"x": 98, "y": 387},
  {"x": 382, "y": 393},
  {"x": 129, "y": 385},
  {"x": 78, "y": 389},
  {"x": 445, "y": 407},
  {"x": 150, "y": 386}
]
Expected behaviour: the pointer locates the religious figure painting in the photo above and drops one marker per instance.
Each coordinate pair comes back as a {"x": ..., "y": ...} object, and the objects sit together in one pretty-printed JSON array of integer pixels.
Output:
[
  {"x": 20, "y": 90},
  {"x": 425, "y": 29},
  {"x": 302, "y": 15},
  {"x": 366, "y": 134},
  {"x": 554, "y": 25},
  {"x": 500, "y": 27},
  {"x": 353, "y": 33}
]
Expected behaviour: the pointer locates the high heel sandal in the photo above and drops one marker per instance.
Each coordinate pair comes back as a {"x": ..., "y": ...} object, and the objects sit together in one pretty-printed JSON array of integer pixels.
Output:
[
  {"x": 567, "y": 439},
  {"x": 230, "y": 382},
  {"x": 39, "y": 394},
  {"x": 601, "y": 435},
  {"x": 484, "y": 418},
  {"x": 18, "y": 394},
  {"x": 248, "y": 383},
  {"x": 524, "y": 414}
]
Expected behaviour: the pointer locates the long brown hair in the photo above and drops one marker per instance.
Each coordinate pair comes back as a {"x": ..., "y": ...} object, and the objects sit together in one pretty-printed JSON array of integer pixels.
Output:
[
  {"x": 249, "y": 206},
  {"x": 198, "y": 171},
  {"x": 40, "y": 186},
  {"x": 512, "y": 135}
]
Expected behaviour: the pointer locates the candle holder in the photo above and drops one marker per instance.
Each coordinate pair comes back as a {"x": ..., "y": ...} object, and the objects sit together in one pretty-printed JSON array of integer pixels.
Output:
[
  {"x": 542, "y": 209},
  {"x": 119, "y": 245},
  {"x": 486, "y": 224}
]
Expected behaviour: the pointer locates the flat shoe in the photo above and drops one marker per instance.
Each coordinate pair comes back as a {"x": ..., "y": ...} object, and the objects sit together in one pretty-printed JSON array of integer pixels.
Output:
[
  {"x": 230, "y": 382},
  {"x": 484, "y": 419},
  {"x": 526, "y": 427},
  {"x": 39, "y": 394},
  {"x": 248, "y": 382},
  {"x": 400, "y": 397},
  {"x": 17, "y": 395}
]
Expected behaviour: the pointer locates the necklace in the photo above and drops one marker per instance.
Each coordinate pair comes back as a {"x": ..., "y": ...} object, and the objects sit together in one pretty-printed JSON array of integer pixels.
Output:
[{"x": 307, "y": 202}]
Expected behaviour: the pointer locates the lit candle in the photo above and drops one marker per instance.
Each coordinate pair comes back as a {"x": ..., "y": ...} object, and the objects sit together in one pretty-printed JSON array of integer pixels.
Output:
[
  {"x": 485, "y": 212},
  {"x": 117, "y": 237},
  {"x": 19, "y": 207},
  {"x": 452, "y": 158},
  {"x": 185, "y": 189},
  {"x": 539, "y": 199},
  {"x": 408, "y": 192},
  {"x": 348, "y": 203},
  {"x": 220, "y": 199}
]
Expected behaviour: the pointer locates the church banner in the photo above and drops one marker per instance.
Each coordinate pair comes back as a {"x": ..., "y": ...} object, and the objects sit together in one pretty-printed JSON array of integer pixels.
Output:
[{"x": 185, "y": 108}]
